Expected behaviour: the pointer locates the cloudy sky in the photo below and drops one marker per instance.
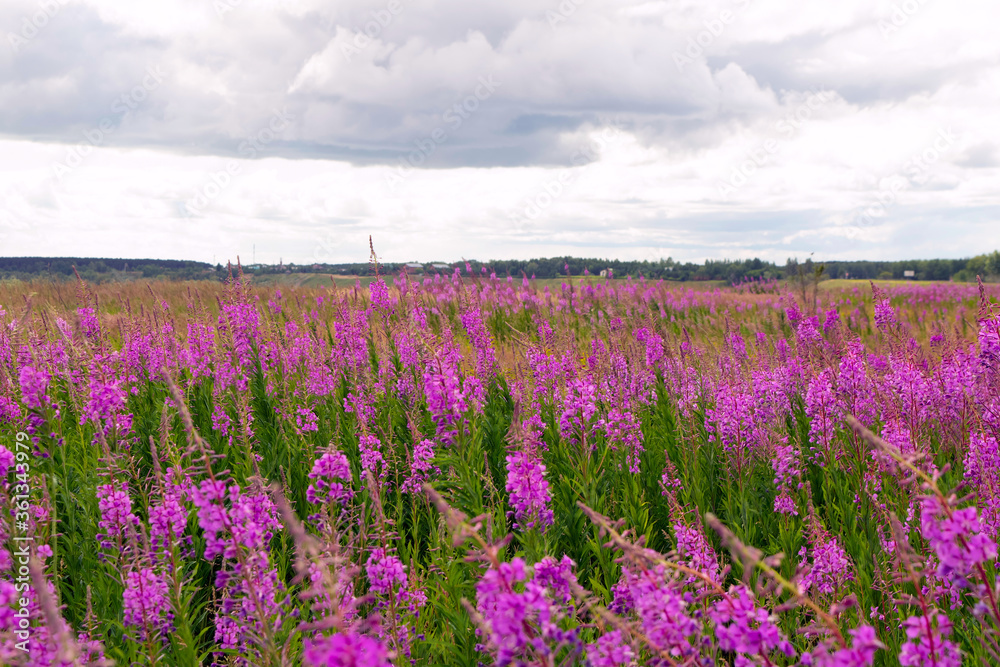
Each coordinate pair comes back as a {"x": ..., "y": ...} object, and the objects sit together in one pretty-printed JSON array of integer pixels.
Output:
[{"x": 203, "y": 129}]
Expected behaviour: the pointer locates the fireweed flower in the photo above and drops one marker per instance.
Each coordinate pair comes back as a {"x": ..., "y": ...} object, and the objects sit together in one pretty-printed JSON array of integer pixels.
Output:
[
  {"x": 252, "y": 600},
  {"x": 885, "y": 314},
  {"x": 88, "y": 322},
  {"x": 696, "y": 551},
  {"x": 329, "y": 474},
  {"x": 420, "y": 467},
  {"x": 982, "y": 471},
  {"x": 578, "y": 410},
  {"x": 610, "y": 650},
  {"x": 557, "y": 576},
  {"x": 957, "y": 540},
  {"x": 34, "y": 386},
  {"x": 306, "y": 420},
  {"x": 370, "y": 448},
  {"x": 786, "y": 478},
  {"x": 742, "y": 627},
  {"x": 861, "y": 653},
  {"x": 660, "y": 606},
  {"x": 385, "y": 572},
  {"x": 6, "y": 463},
  {"x": 622, "y": 429},
  {"x": 147, "y": 602},
  {"x": 519, "y": 615},
  {"x": 486, "y": 361},
  {"x": 167, "y": 519},
  {"x": 379, "y": 294},
  {"x": 732, "y": 421},
  {"x": 927, "y": 644},
  {"x": 345, "y": 649},
  {"x": 446, "y": 396},
  {"x": 116, "y": 512},
  {"x": 822, "y": 410},
  {"x": 529, "y": 491},
  {"x": 621, "y": 596},
  {"x": 830, "y": 569}
]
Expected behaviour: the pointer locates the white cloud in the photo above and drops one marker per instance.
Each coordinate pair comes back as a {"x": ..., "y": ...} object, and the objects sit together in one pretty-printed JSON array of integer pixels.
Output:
[{"x": 894, "y": 82}]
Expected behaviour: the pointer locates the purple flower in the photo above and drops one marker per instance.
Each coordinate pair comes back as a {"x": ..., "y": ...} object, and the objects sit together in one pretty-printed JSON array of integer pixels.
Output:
[
  {"x": 742, "y": 627},
  {"x": 830, "y": 569},
  {"x": 105, "y": 401},
  {"x": 822, "y": 409},
  {"x": 622, "y": 429},
  {"x": 926, "y": 643},
  {"x": 420, "y": 467},
  {"x": 6, "y": 462},
  {"x": 578, "y": 409},
  {"x": 146, "y": 602},
  {"x": 446, "y": 397},
  {"x": 345, "y": 650},
  {"x": 116, "y": 511},
  {"x": 486, "y": 360},
  {"x": 306, "y": 420},
  {"x": 885, "y": 314},
  {"x": 661, "y": 608},
  {"x": 327, "y": 469},
  {"x": 786, "y": 475},
  {"x": 520, "y": 619},
  {"x": 982, "y": 471},
  {"x": 34, "y": 385},
  {"x": 557, "y": 576},
  {"x": 621, "y": 596},
  {"x": 370, "y": 448},
  {"x": 610, "y": 650},
  {"x": 167, "y": 520},
  {"x": 694, "y": 548},
  {"x": 957, "y": 540},
  {"x": 861, "y": 653},
  {"x": 379, "y": 293},
  {"x": 529, "y": 491},
  {"x": 88, "y": 322},
  {"x": 385, "y": 572}
]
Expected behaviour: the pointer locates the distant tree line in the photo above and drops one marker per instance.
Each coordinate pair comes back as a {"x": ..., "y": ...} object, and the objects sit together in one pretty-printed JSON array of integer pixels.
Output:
[
  {"x": 104, "y": 269},
  {"x": 101, "y": 269}
]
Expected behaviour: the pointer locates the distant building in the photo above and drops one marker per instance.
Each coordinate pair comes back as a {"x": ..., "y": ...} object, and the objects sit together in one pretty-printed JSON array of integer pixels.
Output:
[
  {"x": 412, "y": 267},
  {"x": 604, "y": 273},
  {"x": 441, "y": 267},
  {"x": 909, "y": 274}
]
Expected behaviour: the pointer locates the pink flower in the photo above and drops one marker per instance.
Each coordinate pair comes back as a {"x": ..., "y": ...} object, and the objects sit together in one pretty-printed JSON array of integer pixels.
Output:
[
  {"x": 345, "y": 650},
  {"x": 529, "y": 491}
]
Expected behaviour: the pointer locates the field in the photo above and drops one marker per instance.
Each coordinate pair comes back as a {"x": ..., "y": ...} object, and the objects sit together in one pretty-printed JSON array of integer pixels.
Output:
[{"x": 470, "y": 470}]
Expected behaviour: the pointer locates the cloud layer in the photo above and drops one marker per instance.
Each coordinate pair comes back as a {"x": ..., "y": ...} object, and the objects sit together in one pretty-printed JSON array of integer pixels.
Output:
[{"x": 201, "y": 129}]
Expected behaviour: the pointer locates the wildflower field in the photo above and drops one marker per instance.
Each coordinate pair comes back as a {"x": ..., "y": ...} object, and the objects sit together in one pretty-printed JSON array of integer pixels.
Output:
[{"x": 472, "y": 469}]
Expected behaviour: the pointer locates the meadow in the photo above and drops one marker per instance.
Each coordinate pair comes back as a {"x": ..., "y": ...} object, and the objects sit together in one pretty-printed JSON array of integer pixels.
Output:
[{"x": 473, "y": 470}]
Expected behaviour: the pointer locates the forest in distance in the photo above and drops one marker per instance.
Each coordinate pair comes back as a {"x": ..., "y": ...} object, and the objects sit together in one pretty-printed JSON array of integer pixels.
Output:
[{"x": 98, "y": 270}]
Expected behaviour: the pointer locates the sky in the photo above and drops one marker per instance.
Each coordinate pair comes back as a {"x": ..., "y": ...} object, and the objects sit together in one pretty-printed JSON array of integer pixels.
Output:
[{"x": 294, "y": 130}]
